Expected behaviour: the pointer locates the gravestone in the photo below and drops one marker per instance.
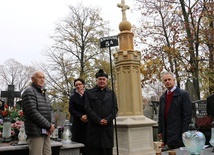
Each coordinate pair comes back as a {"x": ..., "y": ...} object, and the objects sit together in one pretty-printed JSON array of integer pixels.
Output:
[
  {"x": 10, "y": 94},
  {"x": 202, "y": 121},
  {"x": 59, "y": 115},
  {"x": 199, "y": 107},
  {"x": 155, "y": 109},
  {"x": 155, "y": 105},
  {"x": 147, "y": 111},
  {"x": 191, "y": 90},
  {"x": 151, "y": 111}
]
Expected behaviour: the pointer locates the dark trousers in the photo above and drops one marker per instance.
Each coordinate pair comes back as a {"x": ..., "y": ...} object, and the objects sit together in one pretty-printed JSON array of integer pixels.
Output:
[
  {"x": 99, "y": 151},
  {"x": 175, "y": 146}
]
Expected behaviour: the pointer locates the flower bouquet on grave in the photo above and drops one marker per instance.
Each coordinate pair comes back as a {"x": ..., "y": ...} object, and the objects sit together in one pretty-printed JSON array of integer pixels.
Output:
[
  {"x": 12, "y": 113},
  {"x": 14, "y": 117}
]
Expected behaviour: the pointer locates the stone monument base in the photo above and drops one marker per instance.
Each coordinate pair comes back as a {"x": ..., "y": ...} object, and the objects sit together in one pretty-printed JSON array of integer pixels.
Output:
[{"x": 135, "y": 135}]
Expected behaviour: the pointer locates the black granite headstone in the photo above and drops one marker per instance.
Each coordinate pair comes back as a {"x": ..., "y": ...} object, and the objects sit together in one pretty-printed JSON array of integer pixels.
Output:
[
  {"x": 202, "y": 120},
  {"x": 200, "y": 108}
]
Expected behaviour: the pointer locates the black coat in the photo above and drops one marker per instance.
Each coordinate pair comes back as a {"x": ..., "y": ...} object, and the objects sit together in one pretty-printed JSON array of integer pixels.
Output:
[
  {"x": 179, "y": 117},
  {"x": 210, "y": 105},
  {"x": 99, "y": 107},
  {"x": 77, "y": 109}
]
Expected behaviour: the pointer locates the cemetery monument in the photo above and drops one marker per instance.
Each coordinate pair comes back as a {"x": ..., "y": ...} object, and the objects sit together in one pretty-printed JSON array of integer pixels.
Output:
[{"x": 135, "y": 131}]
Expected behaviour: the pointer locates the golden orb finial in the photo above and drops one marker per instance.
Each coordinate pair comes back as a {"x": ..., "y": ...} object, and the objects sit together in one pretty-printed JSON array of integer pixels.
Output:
[{"x": 125, "y": 26}]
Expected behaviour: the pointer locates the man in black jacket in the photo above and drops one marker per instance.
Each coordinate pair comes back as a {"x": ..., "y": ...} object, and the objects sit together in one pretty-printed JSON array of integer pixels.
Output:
[
  {"x": 175, "y": 113},
  {"x": 37, "y": 116},
  {"x": 101, "y": 108}
]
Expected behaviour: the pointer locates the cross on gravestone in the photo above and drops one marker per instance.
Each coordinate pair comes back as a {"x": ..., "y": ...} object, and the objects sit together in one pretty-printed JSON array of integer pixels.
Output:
[
  {"x": 10, "y": 94},
  {"x": 1, "y": 104},
  {"x": 123, "y": 9}
]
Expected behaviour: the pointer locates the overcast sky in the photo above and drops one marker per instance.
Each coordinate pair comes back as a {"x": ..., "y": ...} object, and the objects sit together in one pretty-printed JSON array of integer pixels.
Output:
[{"x": 25, "y": 25}]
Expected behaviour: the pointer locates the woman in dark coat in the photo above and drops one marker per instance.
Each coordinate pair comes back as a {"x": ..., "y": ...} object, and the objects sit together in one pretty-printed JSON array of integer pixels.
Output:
[{"x": 78, "y": 114}]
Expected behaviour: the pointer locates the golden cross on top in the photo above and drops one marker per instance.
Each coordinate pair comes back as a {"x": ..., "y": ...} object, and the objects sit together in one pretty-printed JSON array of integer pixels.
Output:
[{"x": 123, "y": 9}]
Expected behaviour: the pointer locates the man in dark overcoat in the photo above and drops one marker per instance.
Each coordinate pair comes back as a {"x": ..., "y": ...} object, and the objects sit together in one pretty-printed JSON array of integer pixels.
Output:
[
  {"x": 175, "y": 113},
  {"x": 101, "y": 109}
]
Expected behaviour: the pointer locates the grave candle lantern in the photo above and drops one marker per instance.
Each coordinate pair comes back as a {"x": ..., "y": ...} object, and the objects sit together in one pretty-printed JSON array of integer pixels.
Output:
[
  {"x": 193, "y": 140},
  {"x": 6, "y": 134},
  {"x": 66, "y": 133}
]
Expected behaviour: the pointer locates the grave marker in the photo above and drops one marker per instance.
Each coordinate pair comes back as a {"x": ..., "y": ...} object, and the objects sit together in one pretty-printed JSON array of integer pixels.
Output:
[
  {"x": 10, "y": 94},
  {"x": 202, "y": 121},
  {"x": 200, "y": 108},
  {"x": 59, "y": 115},
  {"x": 191, "y": 90}
]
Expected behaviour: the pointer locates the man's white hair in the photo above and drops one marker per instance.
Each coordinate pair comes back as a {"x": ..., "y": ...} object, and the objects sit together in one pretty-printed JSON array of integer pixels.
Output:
[
  {"x": 167, "y": 73},
  {"x": 35, "y": 73}
]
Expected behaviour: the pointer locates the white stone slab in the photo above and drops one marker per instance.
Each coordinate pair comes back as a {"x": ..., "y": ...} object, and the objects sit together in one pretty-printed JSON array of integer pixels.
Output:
[{"x": 135, "y": 135}]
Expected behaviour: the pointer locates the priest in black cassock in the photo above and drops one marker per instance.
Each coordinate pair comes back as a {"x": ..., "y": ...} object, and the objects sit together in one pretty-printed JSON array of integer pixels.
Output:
[{"x": 101, "y": 109}]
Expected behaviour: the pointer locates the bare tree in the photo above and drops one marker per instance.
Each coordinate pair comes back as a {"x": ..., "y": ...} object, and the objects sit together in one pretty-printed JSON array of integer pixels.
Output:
[
  {"x": 78, "y": 35},
  {"x": 14, "y": 73},
  {"x": 75, "y": 51}
]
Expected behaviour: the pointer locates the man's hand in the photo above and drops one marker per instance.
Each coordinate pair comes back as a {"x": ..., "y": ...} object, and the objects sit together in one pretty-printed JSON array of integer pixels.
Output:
[
  {"x": 84, "y": 118},
  {"x": 160, "y": 136},
  {"x": 51, "y": 130},
  {"x": 103, "y": 122}
]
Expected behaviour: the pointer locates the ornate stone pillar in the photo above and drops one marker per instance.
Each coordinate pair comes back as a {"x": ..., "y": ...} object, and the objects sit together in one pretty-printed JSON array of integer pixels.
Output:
[
  {"x": 135, "y": 132},
  {"x": 127, "y": 64}
]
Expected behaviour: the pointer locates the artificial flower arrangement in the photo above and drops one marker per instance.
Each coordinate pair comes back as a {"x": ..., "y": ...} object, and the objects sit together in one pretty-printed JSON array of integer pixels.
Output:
[{"x": 16, "y": 117}]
